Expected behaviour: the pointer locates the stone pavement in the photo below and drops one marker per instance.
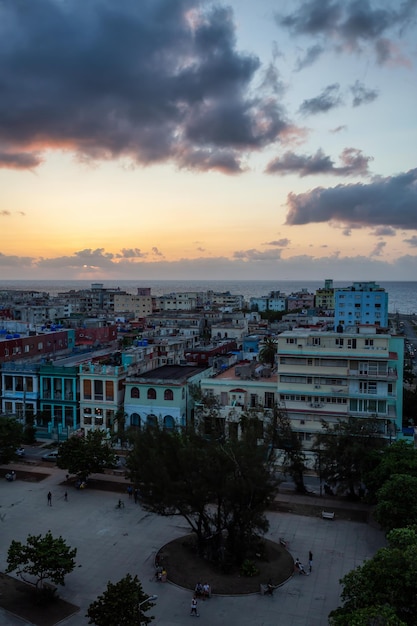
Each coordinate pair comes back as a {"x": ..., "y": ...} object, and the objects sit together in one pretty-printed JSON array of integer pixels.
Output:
[{"x": 113, "y": 542}]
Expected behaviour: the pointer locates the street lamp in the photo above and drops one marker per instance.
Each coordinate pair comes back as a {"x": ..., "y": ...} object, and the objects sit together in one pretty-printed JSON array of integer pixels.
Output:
[{"x": 150, "y": 599}]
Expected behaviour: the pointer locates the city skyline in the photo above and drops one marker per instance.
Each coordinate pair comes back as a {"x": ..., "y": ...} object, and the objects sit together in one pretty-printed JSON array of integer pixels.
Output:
[{"x": 188, "y": 139}]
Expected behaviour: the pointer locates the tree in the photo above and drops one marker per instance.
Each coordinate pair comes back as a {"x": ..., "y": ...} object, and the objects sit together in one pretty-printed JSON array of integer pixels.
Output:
[
  {"x": 398, "y": 458},
  {"x": 397, "y": 502},
  {"x": 123, "y": 603},
  {"x": 42, "y": 558},
  {"x": 11, "y": 435},
  {"x": 268, "y": 351},
  {"x": 343, "y": 451},
  {"x": 369, "y": 616},
  {"x": 281, "y": 436},
  {"x": 83, "y": 456},
  {"x": 221, "y": 488},
  {"x": 386, "y": 580}
]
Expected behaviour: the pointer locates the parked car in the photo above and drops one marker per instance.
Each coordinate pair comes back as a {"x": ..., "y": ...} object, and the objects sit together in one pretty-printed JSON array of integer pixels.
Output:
[
  {"x": 50, "y": 456},
  {"x": 20, "y": 452}
]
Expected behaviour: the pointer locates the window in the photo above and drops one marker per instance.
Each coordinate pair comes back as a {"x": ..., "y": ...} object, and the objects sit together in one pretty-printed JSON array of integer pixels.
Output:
[
  {"x": 151, "y": 394},
  {"x": 168, "y": 394},
  {"x": 169, "y": 423},
  {"x": 135, "y": 420},
  {"x": 134, "y": 392},
  {"x": 98, "y": 390},
  {"x": 87, "y": 389},
  {"x": 109, "y": 390},
  {"x": 269, "y": 399}
]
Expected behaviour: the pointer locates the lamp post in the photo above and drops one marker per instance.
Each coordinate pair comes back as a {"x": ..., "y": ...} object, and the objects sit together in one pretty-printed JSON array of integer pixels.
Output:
[{"x": 150, "y": 599}]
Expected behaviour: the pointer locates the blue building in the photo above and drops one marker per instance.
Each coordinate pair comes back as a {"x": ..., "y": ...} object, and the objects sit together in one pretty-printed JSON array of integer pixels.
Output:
[{"x": 361, "y": 303}]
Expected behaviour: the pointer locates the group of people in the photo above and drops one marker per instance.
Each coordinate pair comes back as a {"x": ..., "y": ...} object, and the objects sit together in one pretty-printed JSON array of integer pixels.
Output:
[
  {"x": 202, "y": 591},
  {"x": 300, "y": 567}
]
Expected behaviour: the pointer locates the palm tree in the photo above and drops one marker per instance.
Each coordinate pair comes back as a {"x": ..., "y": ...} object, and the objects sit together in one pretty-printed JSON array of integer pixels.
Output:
[{"x": 268, "y": 351}]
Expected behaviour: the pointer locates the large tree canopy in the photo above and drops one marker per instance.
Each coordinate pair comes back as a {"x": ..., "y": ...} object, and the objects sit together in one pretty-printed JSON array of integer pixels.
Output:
[
  {"x": 398, "y": 458},
  {"x": 386, "y": 580},
  {"x": 87, "y": 455},
  {"x": 343, "y": 452},
  {"x": 123, "y": 603},
  {"x": 397, "y": 502},
  {"x": 11, "y": 435},
  {"x": 41, "y": 558},
  {"x": 221, "y": 488}
]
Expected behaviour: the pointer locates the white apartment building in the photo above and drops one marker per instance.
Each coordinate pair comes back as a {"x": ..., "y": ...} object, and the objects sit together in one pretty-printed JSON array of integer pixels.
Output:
[{"x": 331, "y": 376}]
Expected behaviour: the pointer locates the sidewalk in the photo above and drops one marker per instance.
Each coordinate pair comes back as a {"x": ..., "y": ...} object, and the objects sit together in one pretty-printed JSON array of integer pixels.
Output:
[{"x": 112, "y": 542}]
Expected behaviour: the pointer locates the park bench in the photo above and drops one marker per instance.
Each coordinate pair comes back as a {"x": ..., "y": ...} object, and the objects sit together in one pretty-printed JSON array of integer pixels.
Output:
[{"x": 327, "y": 514}]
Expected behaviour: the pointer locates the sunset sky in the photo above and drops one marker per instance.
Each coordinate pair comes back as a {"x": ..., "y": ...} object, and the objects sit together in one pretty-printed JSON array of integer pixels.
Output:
[{"x": 175, "y": 139}]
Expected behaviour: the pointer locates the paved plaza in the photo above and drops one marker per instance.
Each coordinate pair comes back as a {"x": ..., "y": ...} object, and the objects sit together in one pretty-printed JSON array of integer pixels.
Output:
[{"x": 111, "y": 543}]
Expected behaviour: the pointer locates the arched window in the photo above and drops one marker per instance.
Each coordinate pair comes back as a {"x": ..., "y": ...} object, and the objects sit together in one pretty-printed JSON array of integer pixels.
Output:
[
  {"x": 135, "y": 420},
  {"x": 134, "y": 392},
  {"x": 152, "y": 420},
  {"x": 168, "y": 394},
  {"x": 169, "y": 423},
  {"x": 151, "y": 394}
]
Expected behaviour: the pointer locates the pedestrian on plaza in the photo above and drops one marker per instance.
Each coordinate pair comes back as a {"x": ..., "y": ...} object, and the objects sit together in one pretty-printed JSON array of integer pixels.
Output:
[
  {"x": 136, "y": 495},
  {"x": 194, "y": 607},
  {"x": 66, "y": 497},
  {"x": 49, "y": 498},
  {"x": 310, "y": 561},
  {"x": 130, "y": 491}
]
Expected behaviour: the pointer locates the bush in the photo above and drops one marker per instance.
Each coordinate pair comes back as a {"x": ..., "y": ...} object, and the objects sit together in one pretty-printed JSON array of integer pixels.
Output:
[{"x": 249, "y": 568}]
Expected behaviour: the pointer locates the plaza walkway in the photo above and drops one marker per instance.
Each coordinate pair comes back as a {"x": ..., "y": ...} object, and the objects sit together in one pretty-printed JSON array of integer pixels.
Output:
[{"x": 113, "y": 542}]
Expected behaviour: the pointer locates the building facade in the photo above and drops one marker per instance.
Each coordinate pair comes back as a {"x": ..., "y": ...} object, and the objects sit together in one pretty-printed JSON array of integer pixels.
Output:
[
  {"x": 335, "y": 376},
  {"x": 361, "y": 303}
]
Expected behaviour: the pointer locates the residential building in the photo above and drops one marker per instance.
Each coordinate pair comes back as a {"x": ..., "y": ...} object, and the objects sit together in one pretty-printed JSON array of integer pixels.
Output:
[
  {"x": 300, "y": 300},
  {"x": 361, "y": 303},
  {"x": 324, "y": 299},
  {"x": 58, "y": 399},
  {"x": 276, "y": 301},
  {"x": 137, "y": 305},
  {"x": 246, "y": 388},
  {"x": 162, "y": 396},
  {"x": 336, "y": 376},
  {"x": 101, "y": 395},
  {"x": 20, "y": 389}
]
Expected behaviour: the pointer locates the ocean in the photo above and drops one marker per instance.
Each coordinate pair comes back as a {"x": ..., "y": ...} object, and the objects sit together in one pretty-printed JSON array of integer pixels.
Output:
[{"x": 402, "y": 295}]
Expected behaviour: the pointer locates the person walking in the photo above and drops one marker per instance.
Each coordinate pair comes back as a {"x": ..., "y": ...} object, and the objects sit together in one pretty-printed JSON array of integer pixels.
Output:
[
  {"x": 310, "y": 561},
  {"x": 66, "y": 497},
  {"x": 194, "y": 607},
  {"x": 49, "y": 498}
]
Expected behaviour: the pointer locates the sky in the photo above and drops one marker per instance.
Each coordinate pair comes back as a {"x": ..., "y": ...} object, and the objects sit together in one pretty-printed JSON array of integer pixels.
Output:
[{"x": 186, "y": 139}]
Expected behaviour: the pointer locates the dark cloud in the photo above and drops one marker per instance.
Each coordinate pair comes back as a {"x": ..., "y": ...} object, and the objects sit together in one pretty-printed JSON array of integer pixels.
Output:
[
  {"x": 361, "y": 94},
  {"x": 329, "y": 98},
  {"x": 151, "y": 81},
  {"x": 87, "y": 258},
  {"x": 412, "y": 241},
  {"x": 389, "y": 201},
  {"x": 19, "y": 160},
  {"x": 156, "y": 252},
  {"x": 378, "y": 249},
  {"x": 338, "y": 129},
  {"x": 384, "y": 231},
  {"x": 353, "y": 163},
  {"x": 12, "y": 261},
  {"x": 257, "y": 255},
  {"x": 351, "y": 24},
  {"x": 6, "y": 213},
  {"x": 310, "y": 56},
  {"x": 280, "y": 243},
  {"x": 130, "y": 253}
]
